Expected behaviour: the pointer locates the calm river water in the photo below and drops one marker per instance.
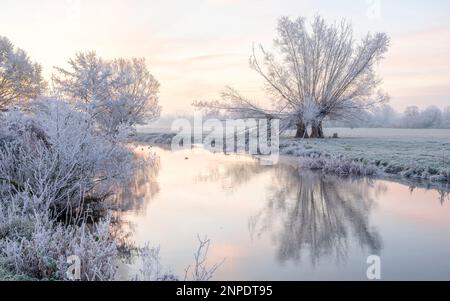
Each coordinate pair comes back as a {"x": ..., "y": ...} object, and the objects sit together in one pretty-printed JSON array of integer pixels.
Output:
[{"x": 282, "y": 223}]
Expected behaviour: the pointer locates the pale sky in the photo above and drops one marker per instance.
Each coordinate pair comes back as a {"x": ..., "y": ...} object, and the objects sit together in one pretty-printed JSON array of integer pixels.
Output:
[{"x": 197, "y": 47}]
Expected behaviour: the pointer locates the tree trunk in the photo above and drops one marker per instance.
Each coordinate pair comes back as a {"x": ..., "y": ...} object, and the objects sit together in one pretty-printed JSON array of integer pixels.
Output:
[
  {"x": 301, "y": 131},
  {"x": 317, "y": 131}
]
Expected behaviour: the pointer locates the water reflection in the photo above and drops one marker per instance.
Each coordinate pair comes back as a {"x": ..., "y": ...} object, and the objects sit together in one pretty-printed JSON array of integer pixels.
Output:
[
  {"x": 308, "y": 214},
  {"x": 282, "y": 223},
  {"x": 143, "y": 186},
  {"x": 232, "y": 175},
  {"x": 443, "y": 193},
  {"x": 316, "y": 215}
]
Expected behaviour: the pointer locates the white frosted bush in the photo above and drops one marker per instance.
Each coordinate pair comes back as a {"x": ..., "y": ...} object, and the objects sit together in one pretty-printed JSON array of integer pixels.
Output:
[
  {"x": 35, "y": 245},
  {"x": 60, "y": 154},
  {"x": 340, "y": 166}
]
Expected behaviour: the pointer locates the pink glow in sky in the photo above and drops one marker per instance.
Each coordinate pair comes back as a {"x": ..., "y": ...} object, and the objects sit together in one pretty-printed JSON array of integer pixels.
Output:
[{"x": 197, "y": 47}]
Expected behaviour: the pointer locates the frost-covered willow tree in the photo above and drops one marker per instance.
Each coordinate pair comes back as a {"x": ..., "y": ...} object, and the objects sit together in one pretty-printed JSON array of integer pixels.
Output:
[
  {"x": 116, "y": 92},
  {"x": 20, "y": 78},
  {"x": 314, "y": 72}
]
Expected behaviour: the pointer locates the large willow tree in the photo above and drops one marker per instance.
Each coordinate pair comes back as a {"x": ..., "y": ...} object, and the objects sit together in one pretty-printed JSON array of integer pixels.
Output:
[{"x": 314, "y": 72}]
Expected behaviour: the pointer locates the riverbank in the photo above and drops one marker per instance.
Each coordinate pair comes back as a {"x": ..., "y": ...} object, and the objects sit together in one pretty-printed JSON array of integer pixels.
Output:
[{"x": 415, "y": 157}]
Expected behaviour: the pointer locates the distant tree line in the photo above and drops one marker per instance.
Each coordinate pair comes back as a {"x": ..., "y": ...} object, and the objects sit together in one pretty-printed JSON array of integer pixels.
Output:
[{"x": 412, "y": 117}]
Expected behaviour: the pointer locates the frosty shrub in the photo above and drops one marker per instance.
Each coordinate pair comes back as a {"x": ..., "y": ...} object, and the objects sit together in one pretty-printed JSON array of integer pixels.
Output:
[
  {"x": 58, "y": 153},
  {"x": 340, "y": 166},
  {"x": 34, "y": 246}
]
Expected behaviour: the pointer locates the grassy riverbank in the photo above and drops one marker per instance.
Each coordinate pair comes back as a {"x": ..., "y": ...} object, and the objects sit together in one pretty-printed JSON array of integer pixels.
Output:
[{"x": 409, "y": 154}]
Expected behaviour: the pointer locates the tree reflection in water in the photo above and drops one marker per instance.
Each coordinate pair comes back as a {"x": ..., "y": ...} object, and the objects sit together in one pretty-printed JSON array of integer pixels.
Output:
[
  {"x": 310, "y": 214},
  {"x": 317, "y": 215},
  {"x": 232, "y": 175},
  {"x": 143, "y": 187}
]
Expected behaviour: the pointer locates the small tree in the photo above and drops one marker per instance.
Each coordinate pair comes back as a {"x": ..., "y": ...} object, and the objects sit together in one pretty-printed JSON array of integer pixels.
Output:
[
  {"x": 383, "y": 116},
  {"x": 431, "y": 117},
  {"x": 20, "y": 79},
  {"x": 117, "y": 92},
  {"x": 313, "y": 74},
  {"x": 411, "y": 117}
]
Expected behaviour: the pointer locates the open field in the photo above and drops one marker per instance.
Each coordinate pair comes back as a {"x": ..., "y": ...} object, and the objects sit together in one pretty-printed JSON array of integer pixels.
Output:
[{"x": 412, "y": 153}]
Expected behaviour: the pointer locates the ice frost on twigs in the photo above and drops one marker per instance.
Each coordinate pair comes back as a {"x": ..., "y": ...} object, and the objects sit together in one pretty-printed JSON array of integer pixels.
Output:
[
  {"x": 115, "y": 92},
  {"x": 152, "y": 269},
  {"x": 312, "y": 74},
  {"x": 34, "y": 246},
  {"x": 62, "y": 155},
  {"x": 199, "y": 270},
  {"x": 20, "y": 79}
]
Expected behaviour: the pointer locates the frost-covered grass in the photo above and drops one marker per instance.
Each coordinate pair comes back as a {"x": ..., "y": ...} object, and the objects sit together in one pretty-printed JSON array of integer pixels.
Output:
[
  {"x": 34, "y": 246},
  {"x": 339, "y": 165},
  {"x": 410, "y": 154}
]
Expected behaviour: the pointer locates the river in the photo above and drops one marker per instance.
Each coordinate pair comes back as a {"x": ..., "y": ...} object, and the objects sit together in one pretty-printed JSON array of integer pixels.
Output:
[{"x": 283, "y": 223}]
